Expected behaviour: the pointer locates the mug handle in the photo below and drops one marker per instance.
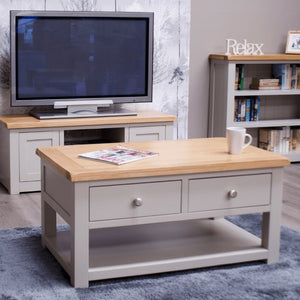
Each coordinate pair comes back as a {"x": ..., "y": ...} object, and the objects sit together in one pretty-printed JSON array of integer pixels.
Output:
[{"x": 249, "y": 142}]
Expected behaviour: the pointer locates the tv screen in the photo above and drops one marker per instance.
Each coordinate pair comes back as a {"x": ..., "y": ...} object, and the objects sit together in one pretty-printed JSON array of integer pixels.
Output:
[{"x": 59, "y": 56}]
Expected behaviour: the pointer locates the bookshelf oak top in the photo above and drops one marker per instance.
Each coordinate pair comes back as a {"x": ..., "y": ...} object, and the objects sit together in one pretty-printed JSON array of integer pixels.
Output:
[
  {"x": 176, "y": 157},
  {"x": 270, "y": 57},
  {"x": 26, "y": 121}
]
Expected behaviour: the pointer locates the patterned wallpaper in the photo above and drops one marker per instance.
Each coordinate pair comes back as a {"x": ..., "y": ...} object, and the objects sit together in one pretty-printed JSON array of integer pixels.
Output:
[{"x": 171, "y": 49}]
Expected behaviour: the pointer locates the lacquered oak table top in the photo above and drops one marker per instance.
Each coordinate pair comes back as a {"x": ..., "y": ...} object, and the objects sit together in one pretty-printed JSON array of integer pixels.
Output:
[{"x": 175, "y": 157}]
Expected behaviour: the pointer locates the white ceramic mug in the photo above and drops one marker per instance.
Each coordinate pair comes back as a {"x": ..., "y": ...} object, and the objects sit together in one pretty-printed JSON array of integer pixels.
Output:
[{"x": 236, "y": 139}]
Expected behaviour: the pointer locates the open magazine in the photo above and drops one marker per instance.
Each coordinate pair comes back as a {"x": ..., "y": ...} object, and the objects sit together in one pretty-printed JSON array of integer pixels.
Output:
[{"x": 118, "y": 155}]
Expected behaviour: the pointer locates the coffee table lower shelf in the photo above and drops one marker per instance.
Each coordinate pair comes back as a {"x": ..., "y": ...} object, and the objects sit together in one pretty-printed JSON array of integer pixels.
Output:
[{"x": 162, "y": 247}]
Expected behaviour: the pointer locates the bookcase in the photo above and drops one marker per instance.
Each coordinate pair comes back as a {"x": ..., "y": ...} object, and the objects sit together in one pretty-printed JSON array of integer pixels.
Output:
[{"x": 279, "y": 108}]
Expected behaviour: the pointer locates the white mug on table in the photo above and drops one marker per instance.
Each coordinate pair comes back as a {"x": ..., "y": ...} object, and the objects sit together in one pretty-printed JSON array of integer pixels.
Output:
[{"x": 236, "y": 137}]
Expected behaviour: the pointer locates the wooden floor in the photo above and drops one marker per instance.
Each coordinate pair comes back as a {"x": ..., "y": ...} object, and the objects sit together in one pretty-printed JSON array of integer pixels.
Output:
[
  {"x": 291, "y": 197},
  {"x": 24, "y": 210}
]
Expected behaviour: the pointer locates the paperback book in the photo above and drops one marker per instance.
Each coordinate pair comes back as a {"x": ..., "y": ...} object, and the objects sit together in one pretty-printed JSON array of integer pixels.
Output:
[
  {"x": 118, "y": 155},
  {"x": 279, "y": 139},
  {"x": 247, "y": 109}
]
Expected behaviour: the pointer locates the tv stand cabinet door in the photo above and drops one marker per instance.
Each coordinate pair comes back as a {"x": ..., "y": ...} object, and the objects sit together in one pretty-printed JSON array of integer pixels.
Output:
[
  {"x": 29, "y": 162},
  {"x": 151, "y": 133}
]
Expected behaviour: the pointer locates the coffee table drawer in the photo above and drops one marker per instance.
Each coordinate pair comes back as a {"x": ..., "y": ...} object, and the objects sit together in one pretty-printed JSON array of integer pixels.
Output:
[
  {"x": 135, "y": 200},
  {"x": 229, "y": 192}
]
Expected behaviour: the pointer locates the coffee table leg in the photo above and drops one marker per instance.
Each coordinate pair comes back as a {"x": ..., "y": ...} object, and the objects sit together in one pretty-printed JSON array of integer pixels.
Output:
[
  {"x": 271, "y": 220},
  {"x": 80, "y": 238},
  {"x": 48, "y": 221}
]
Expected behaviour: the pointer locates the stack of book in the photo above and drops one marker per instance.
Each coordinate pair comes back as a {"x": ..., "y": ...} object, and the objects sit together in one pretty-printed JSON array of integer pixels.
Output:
[
  {"x": 247, "y": 109},
  {"x": 279, "y": 139},
  {"x": 265, "y": 84}
]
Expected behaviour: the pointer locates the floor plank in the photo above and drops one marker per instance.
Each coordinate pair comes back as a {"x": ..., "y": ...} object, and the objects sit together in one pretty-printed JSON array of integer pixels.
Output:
[
  {"x": 291, "y": 197},
  {"x": 22, "y": 210}
]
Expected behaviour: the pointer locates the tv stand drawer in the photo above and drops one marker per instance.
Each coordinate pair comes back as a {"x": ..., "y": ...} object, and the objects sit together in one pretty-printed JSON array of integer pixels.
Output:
[{"x": 149, "y": 133}]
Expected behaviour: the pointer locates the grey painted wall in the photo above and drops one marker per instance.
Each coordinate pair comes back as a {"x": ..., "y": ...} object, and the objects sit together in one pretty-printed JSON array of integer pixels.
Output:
[{"x": 212, "y": 22}]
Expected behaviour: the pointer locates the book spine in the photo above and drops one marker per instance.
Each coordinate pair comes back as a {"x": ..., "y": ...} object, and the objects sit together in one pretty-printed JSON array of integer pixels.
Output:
[
  {"x": 239, "y": 110},
  {"x": 268, "y": 84},
  {"x": 294, "y": 76},
  {"x": 271, "y": 81},
  {"x": 274, "y": 140},
  {"x": 256, "y": 109},
  {"x": 287, "y": 138},
  {"x": 252, "y": 110},
  {"x": 287, "y": 73},
  {"x": 241, "y": 77},
  {"x": 237, "y": 74},
  {"x": 248, "y": 109},
  {"x": 277, "y": 87},
  {"x": 298, "y": 77},
  {"x": 283, "y": 77},
  {"x": 243, "y": 110},
  {"x": 295, "y": 138},
  {"x": 235, "y": 110},
  {"x": 264, "y": 138}
]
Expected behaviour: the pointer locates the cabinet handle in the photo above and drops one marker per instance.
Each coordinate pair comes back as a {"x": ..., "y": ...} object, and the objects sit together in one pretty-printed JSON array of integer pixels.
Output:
[
  {"x": 138, "y": 201},
  {"x": 232, "y": 194}
]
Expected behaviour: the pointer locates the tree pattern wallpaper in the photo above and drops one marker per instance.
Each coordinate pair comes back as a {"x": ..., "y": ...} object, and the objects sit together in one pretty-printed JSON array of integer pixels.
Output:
[{"x": 171, "y": 50}]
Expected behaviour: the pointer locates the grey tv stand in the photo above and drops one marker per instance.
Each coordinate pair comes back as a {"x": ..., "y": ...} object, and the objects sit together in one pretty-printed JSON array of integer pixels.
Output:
[{"x": 20, "y": 135}]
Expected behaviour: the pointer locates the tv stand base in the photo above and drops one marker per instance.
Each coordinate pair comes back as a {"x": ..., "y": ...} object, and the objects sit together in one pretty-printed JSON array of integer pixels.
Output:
[
  {"x": 63, "y": 114},
  {"x": 20, "y": 166}
]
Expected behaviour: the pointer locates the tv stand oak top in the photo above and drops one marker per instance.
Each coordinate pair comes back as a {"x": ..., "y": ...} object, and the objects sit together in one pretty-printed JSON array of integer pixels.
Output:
[{"x": 27, "y": 121}]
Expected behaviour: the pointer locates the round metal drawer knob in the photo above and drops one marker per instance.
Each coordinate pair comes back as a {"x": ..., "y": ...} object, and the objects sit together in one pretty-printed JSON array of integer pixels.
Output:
[
  {"x": 232, "y": 194},
  {"x": 138, "y": 201}
]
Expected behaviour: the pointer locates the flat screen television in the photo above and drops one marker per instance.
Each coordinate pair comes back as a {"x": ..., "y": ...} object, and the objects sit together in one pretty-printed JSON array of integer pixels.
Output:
[{"x": 80, "y": 61}]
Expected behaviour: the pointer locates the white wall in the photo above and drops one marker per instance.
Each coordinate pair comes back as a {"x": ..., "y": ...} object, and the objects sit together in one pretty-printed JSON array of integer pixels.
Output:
[{"x": 212, "y": 22}]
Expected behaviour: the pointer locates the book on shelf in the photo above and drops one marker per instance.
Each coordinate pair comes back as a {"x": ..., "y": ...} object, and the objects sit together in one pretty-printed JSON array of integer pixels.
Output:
[
  {"x": 118, "y": 155},
  {"x": 285, "y": 77},
  {"x": 294, "y": 77},
  {"x": 295, "y": 139},
  {"x": 265, "y": 81},
  {"x": 283, "y": 73},
  {"x": 247, "y": 109},
  {"x": 237, "y": 74},
  {"x": 298, "y": 76},
  {"x": 241, "y": 70},
  {"x": 264, "y": 88},
  {"x": 279, "y": 139},
  {"x": 238, "y": 110},
  {"x": 265, "y": 84},
  {"x": 256, "y": 109}
]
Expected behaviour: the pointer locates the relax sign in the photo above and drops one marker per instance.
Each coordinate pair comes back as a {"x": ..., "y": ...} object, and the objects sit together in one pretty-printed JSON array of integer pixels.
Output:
[{"x": 245, "y": 48}]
